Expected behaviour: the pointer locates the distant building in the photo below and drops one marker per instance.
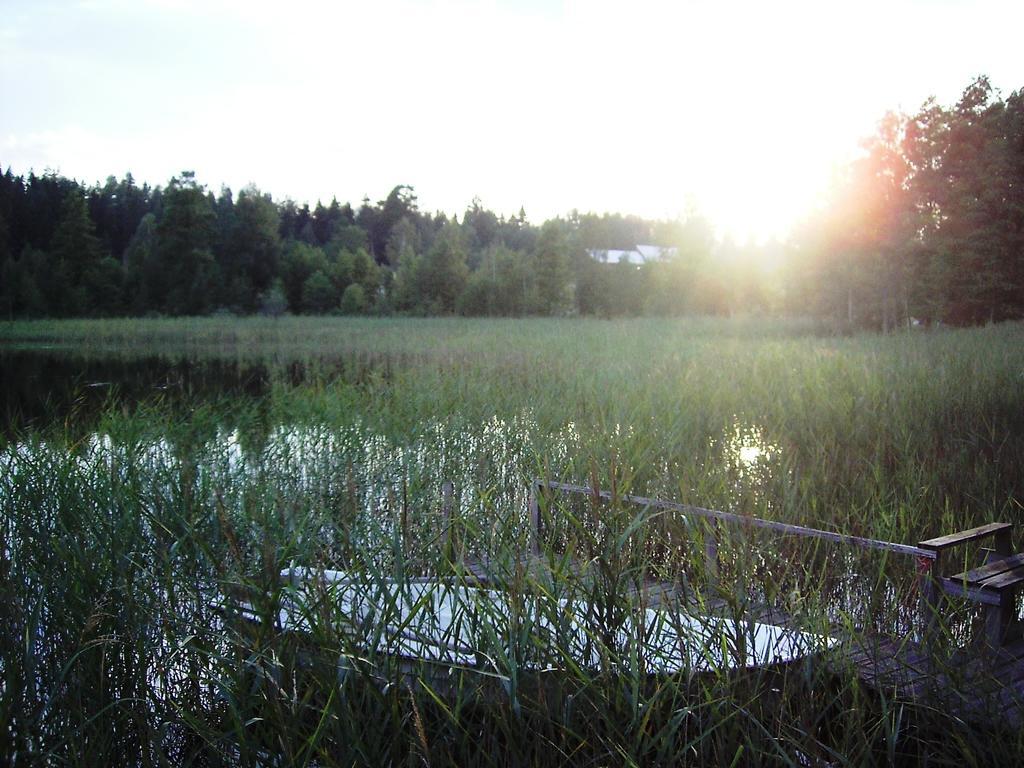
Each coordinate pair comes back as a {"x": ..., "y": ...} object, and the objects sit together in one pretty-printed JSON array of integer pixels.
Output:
[{"x": 641, "y": 254}]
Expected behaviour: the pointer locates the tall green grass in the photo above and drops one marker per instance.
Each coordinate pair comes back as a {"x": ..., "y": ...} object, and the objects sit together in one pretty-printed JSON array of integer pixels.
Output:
[{"x": 124, "y": 529}]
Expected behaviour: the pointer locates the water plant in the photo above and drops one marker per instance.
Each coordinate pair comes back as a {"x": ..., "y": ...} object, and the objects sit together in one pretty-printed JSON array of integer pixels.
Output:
[{"x": 130, "y": 524}]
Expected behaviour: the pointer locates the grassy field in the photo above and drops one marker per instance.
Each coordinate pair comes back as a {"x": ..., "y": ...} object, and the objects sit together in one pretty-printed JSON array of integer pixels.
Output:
[{"x": 123, "y": 521}]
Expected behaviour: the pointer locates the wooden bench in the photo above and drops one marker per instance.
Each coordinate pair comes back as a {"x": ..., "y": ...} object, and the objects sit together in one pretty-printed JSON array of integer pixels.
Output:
[{"x": 994, "y": 584}]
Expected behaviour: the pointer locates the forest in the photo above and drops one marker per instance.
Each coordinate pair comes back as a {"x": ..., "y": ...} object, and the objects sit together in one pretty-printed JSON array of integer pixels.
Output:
[{"x": 925, "y": 226}]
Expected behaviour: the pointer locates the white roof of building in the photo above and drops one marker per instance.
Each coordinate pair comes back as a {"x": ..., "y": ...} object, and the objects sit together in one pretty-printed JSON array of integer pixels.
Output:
[{"x": 642, "y": 254}]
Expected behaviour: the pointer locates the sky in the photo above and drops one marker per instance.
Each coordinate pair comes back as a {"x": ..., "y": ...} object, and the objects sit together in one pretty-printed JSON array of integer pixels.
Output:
[{"x": 739, "y": 111}]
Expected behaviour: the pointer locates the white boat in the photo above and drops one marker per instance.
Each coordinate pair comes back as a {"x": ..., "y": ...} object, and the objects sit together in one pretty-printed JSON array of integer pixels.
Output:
[{"x": 462, "y": 626}]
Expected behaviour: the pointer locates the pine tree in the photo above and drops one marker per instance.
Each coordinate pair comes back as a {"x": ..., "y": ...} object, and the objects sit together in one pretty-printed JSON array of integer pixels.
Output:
[{"x": 184, "y": 249}]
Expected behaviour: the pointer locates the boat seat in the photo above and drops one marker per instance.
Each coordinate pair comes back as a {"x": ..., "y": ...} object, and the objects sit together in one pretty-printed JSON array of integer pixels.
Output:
[{"x": 995, "y": 585}]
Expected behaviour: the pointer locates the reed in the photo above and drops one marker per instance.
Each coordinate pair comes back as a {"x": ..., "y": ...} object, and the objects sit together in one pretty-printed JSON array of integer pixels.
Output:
[{"x": 128, "y": 523}]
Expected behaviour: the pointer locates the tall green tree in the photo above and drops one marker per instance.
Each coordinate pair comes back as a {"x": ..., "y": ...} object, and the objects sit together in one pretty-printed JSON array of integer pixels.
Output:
[
  {"x": 968, "y": 173},
  {"x": 254, "y": 247},
  {"x": 184, "y": 249},
  {"x": 403, "y": 242},
  {"x": 145, "y": 279},
  {"x": 378, "y": 221},
  {"x": 443, "y": 272},
  {"x": 76, "y": 252},
  {"x": 551, "y": 270},
  {"x": 501, "y": 286},
  {"x": 319, "y": 294}
]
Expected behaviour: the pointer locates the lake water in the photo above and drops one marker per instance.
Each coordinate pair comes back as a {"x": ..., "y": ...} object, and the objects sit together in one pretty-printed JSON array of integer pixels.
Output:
[
  {"x": 384, "y": 484},
  {"x": 42, "y": 387}
]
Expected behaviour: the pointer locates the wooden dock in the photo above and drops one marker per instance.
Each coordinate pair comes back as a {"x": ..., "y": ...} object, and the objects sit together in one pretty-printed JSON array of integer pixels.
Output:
[
  {"x": 981, "y": 684},
  {"x": 981, "y": 689}
]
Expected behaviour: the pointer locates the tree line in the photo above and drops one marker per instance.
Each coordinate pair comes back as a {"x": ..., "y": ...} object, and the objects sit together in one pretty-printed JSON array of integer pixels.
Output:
[{"x": 927, "y": 225}]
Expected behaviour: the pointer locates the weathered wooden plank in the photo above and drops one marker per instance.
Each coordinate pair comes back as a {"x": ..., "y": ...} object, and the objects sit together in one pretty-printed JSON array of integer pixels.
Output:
[
  {"x": 929, "y": 605},
  {"x": 535, "y": 516},
  {"x": 711, "y": 606},
  {"x": 711, "y": 554},
  {"x": 992, "y": 568},
  {"x": 902, "y": 670},
  {"x": 855, "y": 655},
  {"x": 751, "y": 522},
  {"x": 477, "y": 570},
  {"x": 448, "y": 542},
  {"x": 1012, "y": 696},
  {"x": 1004, "y": 543},
  {"x": 666, "y": 595},
  {"x": 993, "y": 700},
  {"x": 1015, "y": 673},
  {"x": 1001, "y": 582},
  {"x": 963, "y": 683},
  {"x": 864, "y": 653},
  {"x": 771, "y": 615},
  {"x": 984, "y": 690},
  {"x": 972, "y": 666},
  {"x": 970, "y": 592},
  {"x": 530, "y": 564},
  {"x": 963, "y": 537}
]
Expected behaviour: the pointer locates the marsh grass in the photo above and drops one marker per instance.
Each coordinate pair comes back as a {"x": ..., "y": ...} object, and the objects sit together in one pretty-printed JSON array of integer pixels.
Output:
[{"x": 125, "y": 523}]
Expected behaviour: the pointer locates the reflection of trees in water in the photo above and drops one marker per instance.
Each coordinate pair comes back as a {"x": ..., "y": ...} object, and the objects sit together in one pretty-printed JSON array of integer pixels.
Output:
[{"x": 40, "y": 388}]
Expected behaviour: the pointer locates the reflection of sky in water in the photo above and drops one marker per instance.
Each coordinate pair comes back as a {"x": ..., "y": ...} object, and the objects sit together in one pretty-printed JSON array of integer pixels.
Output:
[
  {"x": 750, "y": 461},
  {"x": 315, "y": 469},
  {"x": 748, "y": 454},
  {"x": 747, "y": 449},
  {"x": 354, "y": 478}
]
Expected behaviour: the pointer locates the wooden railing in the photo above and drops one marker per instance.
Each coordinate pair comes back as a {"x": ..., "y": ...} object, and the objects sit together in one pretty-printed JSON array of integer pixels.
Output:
[
  {"x": 932, "y": 586},
  {"x": 994, "y": 584},
  {"x": 929, "y": 587}
]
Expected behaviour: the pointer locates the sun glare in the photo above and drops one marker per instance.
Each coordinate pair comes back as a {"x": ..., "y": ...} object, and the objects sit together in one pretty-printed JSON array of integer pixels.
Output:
[{"x": 762, "y": 191}]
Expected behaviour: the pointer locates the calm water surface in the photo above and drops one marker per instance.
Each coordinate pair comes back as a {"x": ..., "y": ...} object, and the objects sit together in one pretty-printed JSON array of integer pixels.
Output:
[{"x": 325, "y": 466}]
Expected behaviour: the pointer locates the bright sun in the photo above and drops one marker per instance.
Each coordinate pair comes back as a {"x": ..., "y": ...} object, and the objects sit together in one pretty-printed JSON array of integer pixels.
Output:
[{"x": 763, "y": 192}]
